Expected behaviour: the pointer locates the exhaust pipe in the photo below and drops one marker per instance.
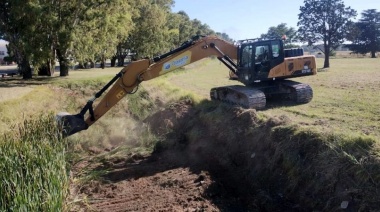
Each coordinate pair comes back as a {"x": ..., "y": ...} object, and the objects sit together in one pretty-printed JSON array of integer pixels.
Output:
[{"x": 70, "y": 124}]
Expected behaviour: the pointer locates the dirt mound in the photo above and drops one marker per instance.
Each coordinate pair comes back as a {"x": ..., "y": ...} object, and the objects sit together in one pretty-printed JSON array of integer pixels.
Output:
[{"x": 223, "y": 158}]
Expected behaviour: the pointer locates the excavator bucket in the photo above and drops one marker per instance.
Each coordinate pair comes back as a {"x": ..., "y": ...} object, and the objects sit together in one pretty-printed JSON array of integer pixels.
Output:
[{"x": 70, "y": 124}]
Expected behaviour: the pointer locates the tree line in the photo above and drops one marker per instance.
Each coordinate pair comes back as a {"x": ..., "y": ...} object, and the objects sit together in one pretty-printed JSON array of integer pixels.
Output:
[
  {"x": 41, "y": 31},
  {"x": 329, "y": 22}
]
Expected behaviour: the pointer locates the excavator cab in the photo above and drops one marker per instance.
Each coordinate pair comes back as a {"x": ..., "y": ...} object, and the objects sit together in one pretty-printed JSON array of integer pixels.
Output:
[
  {"x": 264, "y": 67},
  {"x": 257, "y": 58}
]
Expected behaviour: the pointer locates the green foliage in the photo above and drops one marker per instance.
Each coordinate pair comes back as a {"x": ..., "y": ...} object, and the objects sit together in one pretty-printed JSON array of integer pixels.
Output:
[
  {"x": 33, "y": 176},
  {"x": 148, "y": 37},
  {"x": 277, "y": 32},
  {"x": 140, "y": 104},
  {"x": 201, "y": 29},
  {"x": 100, "y": 33},
  {"x": 186, "y": 28},
  {"x": 39, "y": 31},
  {"x": 224, "y": 36},
  {"x": 324, "y": 20},
  {"x": 365, "y": 34},
  {"x": 9, "y": 59},
  {"x": 17, "y": 26}
]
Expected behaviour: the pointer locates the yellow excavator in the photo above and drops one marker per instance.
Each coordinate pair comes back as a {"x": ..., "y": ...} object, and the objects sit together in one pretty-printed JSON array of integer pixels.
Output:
[{"x": 261, "y": 65}]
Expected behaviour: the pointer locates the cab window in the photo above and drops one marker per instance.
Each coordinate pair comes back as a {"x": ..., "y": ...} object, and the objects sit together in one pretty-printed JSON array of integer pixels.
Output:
[
  {"x": 275, "y": 49},
  {"x": 261, "y": 53},
  {"x": 246, "y": 56}
]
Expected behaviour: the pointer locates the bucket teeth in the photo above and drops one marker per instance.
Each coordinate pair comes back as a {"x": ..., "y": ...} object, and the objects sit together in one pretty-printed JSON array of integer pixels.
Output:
[{"x": 71, "y": 124}]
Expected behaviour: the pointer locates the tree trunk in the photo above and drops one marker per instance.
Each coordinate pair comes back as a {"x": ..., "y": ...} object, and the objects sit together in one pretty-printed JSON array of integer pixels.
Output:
[
  {"x": 113, "y": 61},
  {"x": 43, "y": 71},
  {"x": 51, "y": 63},
  {"x": 23, "y": 65},
  {"x": 81, "y": 65},
  {"x": 120, "y": 61},
  {"x": 25, "y": 69},
  {"x": 48, "y": 69},
  {"x": 373, "y": 54},
  {"x": 327, "y": 56},
  {"x": 63, "y": 64},
  {"x": 103, "y": 63},
  {"x": 92, "y": 64}
]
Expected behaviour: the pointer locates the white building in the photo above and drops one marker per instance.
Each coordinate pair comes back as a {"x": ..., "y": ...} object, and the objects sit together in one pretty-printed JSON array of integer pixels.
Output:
[{"x": 3, "y": 50}]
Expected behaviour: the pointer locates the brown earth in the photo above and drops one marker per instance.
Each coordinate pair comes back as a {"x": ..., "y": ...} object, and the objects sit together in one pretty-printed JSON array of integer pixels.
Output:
[
  {"x": 155, "y": 183},
  {"x": 171, "y": 179},
  {"x": 223, "y": 158}
]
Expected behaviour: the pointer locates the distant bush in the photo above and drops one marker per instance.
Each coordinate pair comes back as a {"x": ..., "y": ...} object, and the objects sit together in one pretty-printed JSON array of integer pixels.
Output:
[{"x": 8, "y": 59}]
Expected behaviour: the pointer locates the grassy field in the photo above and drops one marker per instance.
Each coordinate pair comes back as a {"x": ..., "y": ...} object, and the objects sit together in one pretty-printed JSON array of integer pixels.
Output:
[{"x": 345, "y": 99}]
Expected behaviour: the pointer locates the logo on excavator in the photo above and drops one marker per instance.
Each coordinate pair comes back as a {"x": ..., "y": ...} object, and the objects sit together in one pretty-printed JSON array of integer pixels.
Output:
[
  {"x": 176, "y": 62},
  {"x": 120, "y": 95},
  {"x": 167, "y": 66}
]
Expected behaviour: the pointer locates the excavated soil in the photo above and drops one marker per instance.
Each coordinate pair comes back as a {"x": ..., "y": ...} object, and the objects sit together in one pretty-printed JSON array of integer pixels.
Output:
[{"x": 223, "y": 158}]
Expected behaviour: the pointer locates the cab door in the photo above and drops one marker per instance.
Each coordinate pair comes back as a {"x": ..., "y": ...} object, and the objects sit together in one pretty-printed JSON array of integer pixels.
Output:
[
  {"x": 262, "y": 60},
  {"x": 277, "y": 53},
  {"x": 268, "y": 54},
  {"x": 246, "y": 63}
]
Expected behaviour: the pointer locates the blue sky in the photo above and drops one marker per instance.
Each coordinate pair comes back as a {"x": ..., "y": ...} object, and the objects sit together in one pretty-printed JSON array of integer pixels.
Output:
[{"x": 242, "y": 19}]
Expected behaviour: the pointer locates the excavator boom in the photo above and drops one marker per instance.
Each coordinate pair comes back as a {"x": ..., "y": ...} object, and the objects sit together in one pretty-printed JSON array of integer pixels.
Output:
[{"x": 129, "y": 78}]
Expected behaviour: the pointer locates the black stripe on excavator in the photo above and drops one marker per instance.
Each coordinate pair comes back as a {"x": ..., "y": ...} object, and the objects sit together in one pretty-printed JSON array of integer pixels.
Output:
[
  {"x": 90, "y": 102},
  {"x": 184, "y": 45},
  {"x": 231, "y": 64},
  {"x": 231, "y": 67}
]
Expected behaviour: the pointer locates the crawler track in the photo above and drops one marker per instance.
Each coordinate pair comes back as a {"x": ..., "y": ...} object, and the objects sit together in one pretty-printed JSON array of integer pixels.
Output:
[
  {"x": 299, "y": 93},
  {"x": 240, "y": 95}
]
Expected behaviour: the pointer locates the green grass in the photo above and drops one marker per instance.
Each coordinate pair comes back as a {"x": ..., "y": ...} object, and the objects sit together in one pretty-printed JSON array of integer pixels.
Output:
[
  {"x": 34, "y": 161},
  {"x": 345, "y": 99},
  {"x": 34, "y": 174}
]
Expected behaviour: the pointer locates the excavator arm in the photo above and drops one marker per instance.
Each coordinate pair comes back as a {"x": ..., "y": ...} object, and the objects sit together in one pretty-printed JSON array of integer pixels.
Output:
[{"x": 129, "y": 78}]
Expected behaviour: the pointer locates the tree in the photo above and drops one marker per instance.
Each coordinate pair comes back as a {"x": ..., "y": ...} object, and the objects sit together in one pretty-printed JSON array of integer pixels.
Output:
[
  {"x": 32, "y": 29},
  {"x": 15, "y": 20},
  {"x": 104, "y": 28},
  {"x": 89, "y": 29},
  {"x": 148, "y": 38},
  {"x": 326, "y": 21},
  {"x": 39, "y": 31},
  {"x": 224, "y": 36},
  {"x": 186, "y": 30},
  {"x": 365, "y": 34},
  {"x": 182, "y": 28},
  {"x": 201, "y": 29},
  {"x": 276, "y": 32}
]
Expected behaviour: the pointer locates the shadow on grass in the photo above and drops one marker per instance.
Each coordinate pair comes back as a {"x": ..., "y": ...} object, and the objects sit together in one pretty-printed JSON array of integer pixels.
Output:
[{"x": 18, "y": 81}]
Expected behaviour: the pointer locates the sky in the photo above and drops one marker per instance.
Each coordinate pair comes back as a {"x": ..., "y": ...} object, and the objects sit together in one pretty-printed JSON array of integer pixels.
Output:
[{"x": 242, "y": 19}]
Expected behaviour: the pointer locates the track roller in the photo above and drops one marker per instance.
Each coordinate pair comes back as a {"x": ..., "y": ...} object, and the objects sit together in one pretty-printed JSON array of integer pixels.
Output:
[
  {"x": 299, "y": 93},
  {"x": 246, "y": 97}
]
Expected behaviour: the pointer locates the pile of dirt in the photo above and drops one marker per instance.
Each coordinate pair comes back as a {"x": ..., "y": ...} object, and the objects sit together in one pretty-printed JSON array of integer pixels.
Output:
[{"x": 218, "y": 157}]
